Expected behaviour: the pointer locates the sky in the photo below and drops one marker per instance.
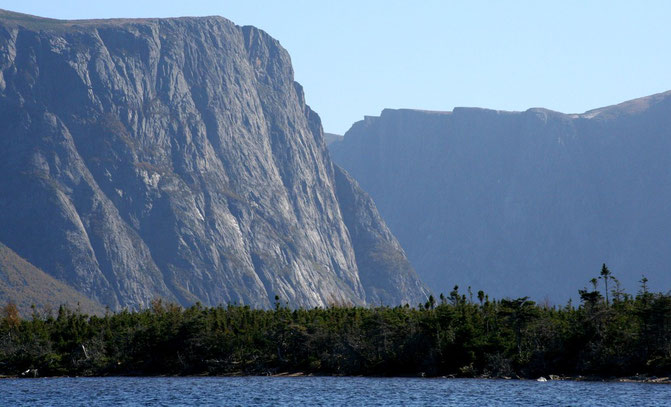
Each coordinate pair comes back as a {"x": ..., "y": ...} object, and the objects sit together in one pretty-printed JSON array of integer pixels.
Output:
[{"x": 355, "y": 58}]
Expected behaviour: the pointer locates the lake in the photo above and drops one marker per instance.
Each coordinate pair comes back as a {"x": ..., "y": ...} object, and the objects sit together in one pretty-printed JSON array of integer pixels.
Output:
[{"x": 324, "y": 391}]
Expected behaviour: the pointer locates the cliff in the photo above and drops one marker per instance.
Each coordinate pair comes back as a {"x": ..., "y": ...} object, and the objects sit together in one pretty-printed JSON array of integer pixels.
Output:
[
  {"x": 522, "y": 203},
  {"x": 175, "y": 158}
]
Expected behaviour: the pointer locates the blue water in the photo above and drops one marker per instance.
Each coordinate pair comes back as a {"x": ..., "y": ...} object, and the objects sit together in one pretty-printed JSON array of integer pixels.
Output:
[{"x": 324, "y": 391}]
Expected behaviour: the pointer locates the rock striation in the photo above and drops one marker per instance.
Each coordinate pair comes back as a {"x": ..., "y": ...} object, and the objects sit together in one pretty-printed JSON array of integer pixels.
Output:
[
  {"x": 176, "y": 158},
  {"x": 522, "y": 203}
]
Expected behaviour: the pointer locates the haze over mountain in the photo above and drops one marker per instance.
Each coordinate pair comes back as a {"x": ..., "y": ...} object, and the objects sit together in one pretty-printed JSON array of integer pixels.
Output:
[
  {"x": 331, "y": 138},
  {"x": 177, "y": 158},
  {"x": 522, "y": 203}
]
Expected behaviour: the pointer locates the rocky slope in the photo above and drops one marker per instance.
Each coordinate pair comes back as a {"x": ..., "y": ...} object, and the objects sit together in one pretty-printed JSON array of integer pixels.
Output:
[
  {"x": 25, "y": 285},
  {"x": 522, "y": 203},
  {"x": 332, "y": 138},
  {"x": 177, "y": 158}
]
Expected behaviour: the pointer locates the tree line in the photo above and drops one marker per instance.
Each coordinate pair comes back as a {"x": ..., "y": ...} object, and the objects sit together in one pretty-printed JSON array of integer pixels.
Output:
[{"x": 610, "y": 333}]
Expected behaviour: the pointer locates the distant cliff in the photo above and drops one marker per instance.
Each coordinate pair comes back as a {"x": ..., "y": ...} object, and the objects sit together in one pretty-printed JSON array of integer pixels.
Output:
[
  {"x": 176, "y": 158},
  {"x": 522, "y": 203},
  {"x": 332, "y": 138}
]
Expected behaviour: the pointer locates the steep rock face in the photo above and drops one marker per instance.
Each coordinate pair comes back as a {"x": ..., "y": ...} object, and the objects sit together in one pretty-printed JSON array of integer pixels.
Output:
[
  {"x": 383, "y": 268},
  {"x": 170, "y": 158},
  {"x": 522, "y": 203}
]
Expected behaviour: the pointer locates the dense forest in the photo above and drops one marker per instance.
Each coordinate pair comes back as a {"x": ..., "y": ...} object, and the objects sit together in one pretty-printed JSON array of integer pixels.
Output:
[{"x": 610, "y": 333}]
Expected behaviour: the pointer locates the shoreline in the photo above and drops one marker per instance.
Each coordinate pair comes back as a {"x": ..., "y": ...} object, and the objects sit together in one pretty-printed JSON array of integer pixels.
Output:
[{"x": 549, "y": 378}]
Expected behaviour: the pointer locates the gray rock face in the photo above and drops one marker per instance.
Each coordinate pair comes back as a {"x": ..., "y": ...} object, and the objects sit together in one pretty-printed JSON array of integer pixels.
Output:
[
  {"x": 383, "y": 268},
  {"x": 177, "y": 158},
  {"x": 526, "y": 203},
  {"x": 332, "y": 138}
]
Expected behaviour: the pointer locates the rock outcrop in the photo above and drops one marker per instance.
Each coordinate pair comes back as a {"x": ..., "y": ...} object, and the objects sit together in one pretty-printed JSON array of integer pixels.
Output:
[
  {"x": 522, "y": 203},
  {"x": 176, "y": 158}
]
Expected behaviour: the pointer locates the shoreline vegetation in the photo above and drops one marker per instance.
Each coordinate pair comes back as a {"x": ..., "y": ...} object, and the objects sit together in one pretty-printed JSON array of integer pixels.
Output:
[
  {"x": 611, "y": 335},
  {"x": 630, "y": 379}
]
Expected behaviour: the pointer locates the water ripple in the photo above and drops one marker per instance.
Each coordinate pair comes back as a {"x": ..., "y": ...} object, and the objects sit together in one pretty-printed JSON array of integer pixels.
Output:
[{"x": 323, "y": 391}]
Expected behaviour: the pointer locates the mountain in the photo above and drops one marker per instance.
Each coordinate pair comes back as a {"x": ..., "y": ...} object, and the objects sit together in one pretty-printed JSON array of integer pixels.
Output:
[
  {"x": 522, "y": 203},
  {"x": 176, "y": 158},
  {"x": 332, "y": 138},
  {"x": 25, "y": 285}
]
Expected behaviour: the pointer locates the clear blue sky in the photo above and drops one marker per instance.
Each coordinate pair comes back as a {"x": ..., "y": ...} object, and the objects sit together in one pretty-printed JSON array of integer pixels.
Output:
[{"x": 355, "y": 58}]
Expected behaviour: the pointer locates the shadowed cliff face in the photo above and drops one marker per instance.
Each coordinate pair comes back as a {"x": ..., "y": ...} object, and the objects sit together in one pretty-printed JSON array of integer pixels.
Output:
[
  {"x": 529, "y": 203},
  {"x": 172, "y": 158}
]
